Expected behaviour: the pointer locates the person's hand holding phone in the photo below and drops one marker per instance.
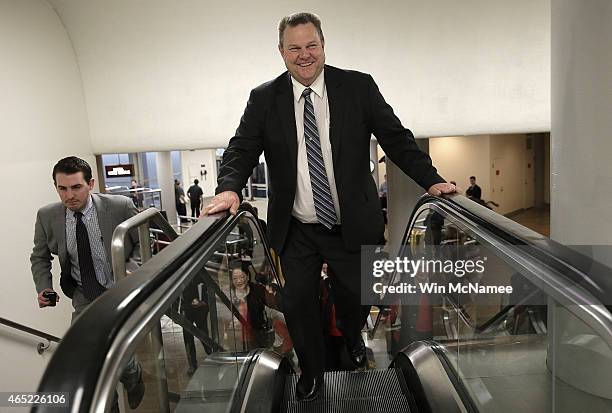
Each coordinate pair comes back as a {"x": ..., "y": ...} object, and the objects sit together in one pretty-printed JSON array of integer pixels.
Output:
[{"x": 47, "y": 298}]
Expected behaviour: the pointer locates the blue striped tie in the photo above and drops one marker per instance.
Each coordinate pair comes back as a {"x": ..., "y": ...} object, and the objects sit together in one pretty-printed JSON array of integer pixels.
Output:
[{"x": 321, "y": 193}]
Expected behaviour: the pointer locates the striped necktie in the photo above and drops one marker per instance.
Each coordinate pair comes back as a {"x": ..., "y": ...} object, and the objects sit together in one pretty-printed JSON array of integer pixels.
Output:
[
  {"x": 91, "y": 287},
  {"x": 321, "y": 192}
]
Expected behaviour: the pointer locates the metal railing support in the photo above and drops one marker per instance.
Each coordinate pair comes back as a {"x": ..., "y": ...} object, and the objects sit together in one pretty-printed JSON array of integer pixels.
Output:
[
  {"x": 122, "y": 231},
  {"x": 141, "y": 221}
]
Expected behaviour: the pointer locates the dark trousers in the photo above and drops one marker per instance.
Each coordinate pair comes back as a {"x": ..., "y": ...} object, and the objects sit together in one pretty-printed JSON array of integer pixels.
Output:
[
  {"x": 195, "y": 209},
  {"x": 199, "y": 317},
  {"x": 181, "y": 209},
  {"x": 132, "y": 372},
  {"x": 307, "y": 247}
]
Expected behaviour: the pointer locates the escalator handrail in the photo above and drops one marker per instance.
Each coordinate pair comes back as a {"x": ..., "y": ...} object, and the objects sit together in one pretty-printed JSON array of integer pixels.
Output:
[
  {"x": 87, "y": 362},
  {"x": 149, "y": 215},
  {"x": 454, "y": 377},
  {"x": 254, "y": 218},
  {"x": 430, "y": 381},
  {"x": 572, "y": 276},
  {"x": 590, "y": 274}
]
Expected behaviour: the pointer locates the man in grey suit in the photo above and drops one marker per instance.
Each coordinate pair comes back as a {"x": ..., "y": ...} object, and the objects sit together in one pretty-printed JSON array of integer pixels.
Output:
[{"x": 78, "y": 230}]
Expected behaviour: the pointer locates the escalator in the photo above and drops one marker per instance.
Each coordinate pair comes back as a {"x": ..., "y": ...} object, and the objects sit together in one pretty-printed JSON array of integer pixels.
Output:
[
  {"x": 545, "y": 348},
  {"x": 343, "y": 391}
]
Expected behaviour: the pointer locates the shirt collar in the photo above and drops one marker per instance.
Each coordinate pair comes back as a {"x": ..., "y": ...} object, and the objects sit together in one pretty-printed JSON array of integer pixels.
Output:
[
  {"x": 318, "y": 86},
  {"x": 85, "y": 211}
]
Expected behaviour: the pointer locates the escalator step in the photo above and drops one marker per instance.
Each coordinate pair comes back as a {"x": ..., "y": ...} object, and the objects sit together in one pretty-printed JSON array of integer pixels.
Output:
[{"x": 377, "y": 391}]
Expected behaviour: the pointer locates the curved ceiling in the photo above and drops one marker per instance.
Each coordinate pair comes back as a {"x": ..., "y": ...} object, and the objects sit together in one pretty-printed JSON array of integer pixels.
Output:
[{"x": 161, "y": 74}]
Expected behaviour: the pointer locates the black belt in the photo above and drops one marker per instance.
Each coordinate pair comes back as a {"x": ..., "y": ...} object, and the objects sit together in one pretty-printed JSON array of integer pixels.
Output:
[{"x": 335, "y": 229}]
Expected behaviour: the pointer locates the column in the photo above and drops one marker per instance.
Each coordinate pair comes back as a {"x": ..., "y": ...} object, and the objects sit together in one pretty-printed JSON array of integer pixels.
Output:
[
  {"x": 581, "y": 175},
  {"x": 166, "y": 184},
  {"x": 402, "y": 195}
]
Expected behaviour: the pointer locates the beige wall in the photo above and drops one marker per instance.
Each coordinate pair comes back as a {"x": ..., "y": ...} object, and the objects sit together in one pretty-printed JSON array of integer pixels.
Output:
[
  {"x": 509, "y": 149},
  {"x": 458, "y": 158},
  {"x": 191, "y": 162},
  {"x": 42, "y": 119}
]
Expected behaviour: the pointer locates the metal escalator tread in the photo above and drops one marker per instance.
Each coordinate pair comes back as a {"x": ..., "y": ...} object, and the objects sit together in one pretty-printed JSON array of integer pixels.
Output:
[{"x": 372, "y": 391}]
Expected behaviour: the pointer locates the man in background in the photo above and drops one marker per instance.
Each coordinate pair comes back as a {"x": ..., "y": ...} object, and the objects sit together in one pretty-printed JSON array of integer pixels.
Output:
[
  {"x": 195, "y": 198},
  {"x": 136, "y": 194},
  {"x": 179, "y": 201},
  {"x": 382, "y": 194},
  {"x": 474, "y": 190},
  {"x": 78, "y": 230}
]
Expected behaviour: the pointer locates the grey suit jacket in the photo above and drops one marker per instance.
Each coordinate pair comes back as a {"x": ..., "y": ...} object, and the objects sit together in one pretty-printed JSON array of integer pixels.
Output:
[{"x": 50, "y": 237}]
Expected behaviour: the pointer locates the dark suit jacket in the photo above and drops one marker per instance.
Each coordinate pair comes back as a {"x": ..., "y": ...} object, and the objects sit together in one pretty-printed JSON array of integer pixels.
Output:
[
  {"x": 475, "y": 192},
  {"x": 357, "y": 110},
  {"x": 50, "y": 238}
]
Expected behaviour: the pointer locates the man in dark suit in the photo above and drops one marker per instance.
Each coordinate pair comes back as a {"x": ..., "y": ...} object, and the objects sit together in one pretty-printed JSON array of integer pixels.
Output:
[
  {"x": 314, "y": 124},
  {"x": 194, "y": 307},
  {"x": 195, "y": 198},
  {"x": 78, "y": 230},
  {"x": 474, "y": 190}
]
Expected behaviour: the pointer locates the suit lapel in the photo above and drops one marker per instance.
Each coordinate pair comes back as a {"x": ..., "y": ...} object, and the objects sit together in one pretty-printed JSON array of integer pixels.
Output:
[
  {"x": 286, "y": 111},
  {"x": 337, "y": 108},
  {"x": 105, "y": 223}
]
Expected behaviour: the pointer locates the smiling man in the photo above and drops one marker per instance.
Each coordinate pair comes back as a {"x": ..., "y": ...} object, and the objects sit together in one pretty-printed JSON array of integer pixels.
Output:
[
  {"x": 78, "y": 230},
  {"x": 314, "y": 123}
]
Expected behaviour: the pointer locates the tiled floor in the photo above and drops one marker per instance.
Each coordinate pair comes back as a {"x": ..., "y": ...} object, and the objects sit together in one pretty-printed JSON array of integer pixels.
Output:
[
  {"x": 211, "y": 385},
  {"x": 536, "y": 219}
]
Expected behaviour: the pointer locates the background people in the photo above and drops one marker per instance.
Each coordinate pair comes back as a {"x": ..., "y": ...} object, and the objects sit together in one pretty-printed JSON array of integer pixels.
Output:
[
  {"x": 195, "y": 198},
  {"x": 179, "y": 200},
  {"x": 382, "y": 194},
  {"x": 257, "y": 305},
  {"x": 474, "y": 190},
  {"x": 136, "y": 196},
  {"x": 194, "y": 307}
]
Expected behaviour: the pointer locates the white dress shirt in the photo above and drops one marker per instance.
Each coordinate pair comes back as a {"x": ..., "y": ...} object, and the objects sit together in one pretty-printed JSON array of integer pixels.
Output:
[
  {"x": 303, "y": 204},
  {"x": 102, "y": 265}
]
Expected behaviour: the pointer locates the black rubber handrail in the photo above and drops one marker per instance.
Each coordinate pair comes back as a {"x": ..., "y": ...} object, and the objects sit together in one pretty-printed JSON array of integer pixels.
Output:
[
  {"x": 29, "y": 330},
  {"x": 593, "y": 276},
  {"x": 453, "y": 376}
]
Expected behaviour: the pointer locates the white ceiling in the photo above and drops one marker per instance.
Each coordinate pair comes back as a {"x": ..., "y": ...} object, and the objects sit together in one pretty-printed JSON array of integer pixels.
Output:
[{"x": 160, "y": 74}]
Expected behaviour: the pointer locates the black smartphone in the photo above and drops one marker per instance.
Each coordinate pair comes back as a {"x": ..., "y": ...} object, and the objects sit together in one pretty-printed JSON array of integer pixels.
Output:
[{"x": 51, "y": 296}]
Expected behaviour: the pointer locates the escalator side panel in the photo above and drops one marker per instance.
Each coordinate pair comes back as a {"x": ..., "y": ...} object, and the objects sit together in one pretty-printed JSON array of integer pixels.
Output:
[
  {"x": 262, "y": 389},
  {"x": 428, "y": 381}
]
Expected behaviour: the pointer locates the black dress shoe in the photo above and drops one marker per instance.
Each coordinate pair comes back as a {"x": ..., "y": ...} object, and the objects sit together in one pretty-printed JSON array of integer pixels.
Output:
[
  {"x": 357, "y": 353},
  {"x": 308, "y": 389}
]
